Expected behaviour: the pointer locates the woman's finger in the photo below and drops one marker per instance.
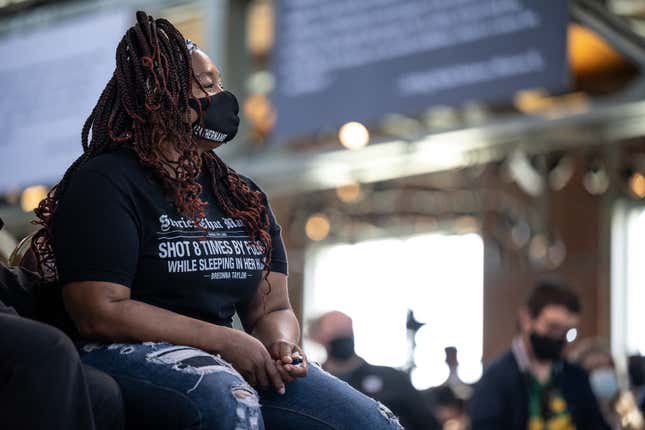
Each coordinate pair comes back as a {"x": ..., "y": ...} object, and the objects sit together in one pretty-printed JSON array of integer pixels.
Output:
[
  {"x": 261, "y": 376},
  {"x": 274, "y": 374},
  {"x": 286, "y": 349},
  {"x": 299, "y": 370},
  {"x": 274, "y": 350},
  {"x": 286, "y": 377}
]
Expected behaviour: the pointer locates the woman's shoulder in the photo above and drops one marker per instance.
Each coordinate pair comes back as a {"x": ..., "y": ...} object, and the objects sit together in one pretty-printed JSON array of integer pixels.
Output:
[
  {"x": 251, "y": 183},
  {"x": 111, "y": 172},
  {"x": 121, "y": 161},
  {"x": 99, "y": 184}
]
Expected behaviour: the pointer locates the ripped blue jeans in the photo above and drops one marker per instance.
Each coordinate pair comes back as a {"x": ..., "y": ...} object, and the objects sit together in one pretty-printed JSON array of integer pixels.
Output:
[{"x": 179, "y": 387}]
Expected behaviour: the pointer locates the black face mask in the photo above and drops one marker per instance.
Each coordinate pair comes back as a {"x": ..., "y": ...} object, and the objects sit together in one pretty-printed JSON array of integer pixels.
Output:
[
  {"x": 546, "y": 348},
  {"x": 219, "y": 117},
  {"x": 341, "y": 348}
]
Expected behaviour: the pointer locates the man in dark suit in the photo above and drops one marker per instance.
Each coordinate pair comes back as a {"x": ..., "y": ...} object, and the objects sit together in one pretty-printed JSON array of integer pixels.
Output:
[
  {"x": 334, "y": 330},
  {"x": 531, "y": 386}
]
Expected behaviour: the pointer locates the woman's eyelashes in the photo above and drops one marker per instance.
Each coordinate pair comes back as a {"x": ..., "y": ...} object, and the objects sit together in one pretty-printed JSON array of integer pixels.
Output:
[{"x": 212, "y": 87}]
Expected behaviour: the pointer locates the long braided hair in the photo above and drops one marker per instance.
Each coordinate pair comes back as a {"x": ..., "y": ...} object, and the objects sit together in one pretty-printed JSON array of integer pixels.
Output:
[{"x": 145, "y": 106}]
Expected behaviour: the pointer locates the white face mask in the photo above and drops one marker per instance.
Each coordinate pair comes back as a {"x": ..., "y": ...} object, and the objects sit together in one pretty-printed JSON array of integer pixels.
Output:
[{"x": 604, "y": 383}]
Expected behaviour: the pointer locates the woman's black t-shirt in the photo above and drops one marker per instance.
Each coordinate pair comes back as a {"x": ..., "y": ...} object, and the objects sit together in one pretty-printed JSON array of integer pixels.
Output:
[{"x": 115, "y": 224}]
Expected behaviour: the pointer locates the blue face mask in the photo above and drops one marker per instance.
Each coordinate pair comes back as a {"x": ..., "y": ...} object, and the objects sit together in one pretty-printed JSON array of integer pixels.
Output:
[{"x": 604, "y": 383}]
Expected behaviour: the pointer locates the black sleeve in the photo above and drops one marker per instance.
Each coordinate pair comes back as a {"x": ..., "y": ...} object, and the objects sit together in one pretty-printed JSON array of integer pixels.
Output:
[
  {"x": 486, "y": 406},
  {"x": 590, "y": 416},
  {"x": 416, "y": 414},
  {"x": 4, "y": 309},
  {"x": 95, "y": 232},
  {"x": 279, "y": 261}
]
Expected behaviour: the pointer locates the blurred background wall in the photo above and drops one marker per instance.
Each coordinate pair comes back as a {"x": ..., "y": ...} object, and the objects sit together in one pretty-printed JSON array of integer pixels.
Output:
[{"x": 428, "y": 161}]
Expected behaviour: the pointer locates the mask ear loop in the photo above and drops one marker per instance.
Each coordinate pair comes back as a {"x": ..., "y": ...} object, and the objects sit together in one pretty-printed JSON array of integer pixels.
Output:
[{"x": 193, "y": 101}]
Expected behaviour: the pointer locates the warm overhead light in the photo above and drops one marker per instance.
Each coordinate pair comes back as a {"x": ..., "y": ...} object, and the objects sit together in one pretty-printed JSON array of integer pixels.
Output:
[
  {"x": 354, "y": 135},
  {"x": 590, "y": 54},
  {"x": 317, "y": 227},
  {"x": 539, "y": 101},
  {"x": 349, "y": 193},
  {"x": 259, "y": 29},
  {"x": 260, "y": 113},
  {"x": 31, "y": 197},
  {"x": 637, "y": 184}
]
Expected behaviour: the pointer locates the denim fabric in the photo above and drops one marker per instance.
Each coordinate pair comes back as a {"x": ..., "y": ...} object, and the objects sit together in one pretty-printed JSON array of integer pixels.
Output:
[{"x": 179, "y": 387}]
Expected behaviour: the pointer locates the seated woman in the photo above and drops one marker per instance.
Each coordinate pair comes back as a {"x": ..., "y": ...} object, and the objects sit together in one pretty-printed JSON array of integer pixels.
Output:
[{"x": 157, "y": 243}]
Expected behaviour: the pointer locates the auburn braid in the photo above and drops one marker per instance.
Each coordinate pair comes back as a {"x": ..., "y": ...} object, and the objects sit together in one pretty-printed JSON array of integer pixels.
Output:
[
  {"x": 145, "y": 107},
  {"x": 248, "y": 205}
]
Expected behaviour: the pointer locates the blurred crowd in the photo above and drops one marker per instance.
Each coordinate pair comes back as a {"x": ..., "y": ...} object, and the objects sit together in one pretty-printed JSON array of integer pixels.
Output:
[{"x": 543, "y": 381}]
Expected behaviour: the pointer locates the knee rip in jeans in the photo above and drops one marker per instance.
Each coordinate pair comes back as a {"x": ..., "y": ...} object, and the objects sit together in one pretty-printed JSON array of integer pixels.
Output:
[
  {"x": 246, "y": 395},
  {"x": 388, "y": 414},
  {"x": 93, "y": 346},
  {"x": 190, "y": 360},
  {"x": 248, "y": 407}
]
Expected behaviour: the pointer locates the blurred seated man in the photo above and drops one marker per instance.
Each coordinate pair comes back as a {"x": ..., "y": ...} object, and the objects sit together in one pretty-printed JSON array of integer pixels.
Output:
[
  {"x": 334, "y": 331},
  {"x": 636, "y": 369},
  {"x": 531, "y": 386},
  {"x": 449, "y": 408},
  {"x": 43, "y": 384},
  {"x": 618, "y": 406},
  {"x": 458, "y": 387}
]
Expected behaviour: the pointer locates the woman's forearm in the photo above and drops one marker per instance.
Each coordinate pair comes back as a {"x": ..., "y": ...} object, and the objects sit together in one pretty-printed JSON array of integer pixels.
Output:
[
  {"x": 132, "y": 320},
  {"x": 278, "y": 325}
]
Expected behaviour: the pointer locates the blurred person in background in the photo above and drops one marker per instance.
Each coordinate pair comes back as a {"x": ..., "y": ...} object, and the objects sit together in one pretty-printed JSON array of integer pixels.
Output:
[
  {"x": 531, "y": 386},
  {"x": 636, "y": 370},
  {"x": 157, "y": 243},
  {"x": 459, "y": 387},
  {"x": 617, "y": 405},
  {"x": 334, "y": 330},
  {"x": 449, "y": 399},
  {"x": 43, "y": 384},
  {"x": 449, "y": 408}
]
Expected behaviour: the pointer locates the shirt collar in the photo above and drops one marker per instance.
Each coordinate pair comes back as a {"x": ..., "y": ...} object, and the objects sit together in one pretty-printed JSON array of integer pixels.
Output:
[
  {"x": 521, "y": 354},
  {"x": 522, "y": 357}
]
